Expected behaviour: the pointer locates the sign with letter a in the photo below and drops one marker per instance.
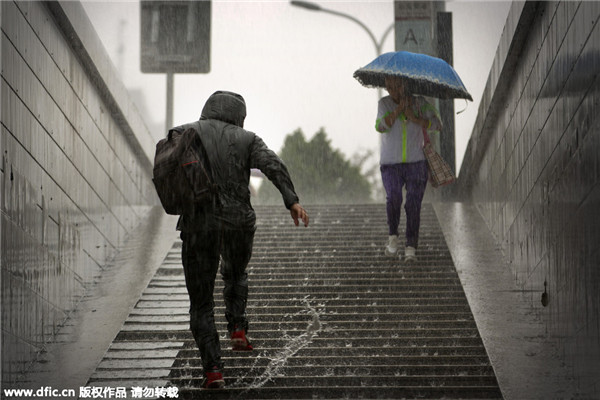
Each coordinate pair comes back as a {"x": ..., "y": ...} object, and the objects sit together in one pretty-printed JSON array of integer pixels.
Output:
[{"x": 415, "y": 26}]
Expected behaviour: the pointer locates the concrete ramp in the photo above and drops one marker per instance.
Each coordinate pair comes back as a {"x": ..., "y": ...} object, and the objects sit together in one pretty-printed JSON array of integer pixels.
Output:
[{"x": 330, "y": 317}]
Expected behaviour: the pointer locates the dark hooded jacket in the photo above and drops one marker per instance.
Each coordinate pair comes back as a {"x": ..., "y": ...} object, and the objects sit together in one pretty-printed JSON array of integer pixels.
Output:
[{"x": 232, "y": 151}]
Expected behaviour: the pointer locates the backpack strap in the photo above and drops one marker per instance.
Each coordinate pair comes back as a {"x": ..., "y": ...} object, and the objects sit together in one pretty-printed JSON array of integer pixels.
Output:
[{"x": 214, "y": 187}]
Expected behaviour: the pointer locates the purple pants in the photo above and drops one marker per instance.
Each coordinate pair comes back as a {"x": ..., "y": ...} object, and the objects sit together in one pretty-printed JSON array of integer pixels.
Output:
[{"x": 414, "y": 177}]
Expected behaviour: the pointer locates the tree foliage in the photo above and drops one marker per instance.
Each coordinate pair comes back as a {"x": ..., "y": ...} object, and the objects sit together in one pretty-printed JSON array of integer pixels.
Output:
[{"x": 320, "y": 173}]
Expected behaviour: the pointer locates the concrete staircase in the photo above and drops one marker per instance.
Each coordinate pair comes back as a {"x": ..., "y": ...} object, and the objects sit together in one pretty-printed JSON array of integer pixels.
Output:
[{"x": 330, "y": 317}]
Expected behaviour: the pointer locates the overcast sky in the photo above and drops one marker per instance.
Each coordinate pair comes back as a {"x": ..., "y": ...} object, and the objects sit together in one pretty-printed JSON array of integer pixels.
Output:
[{"x": 294, "y": 67}]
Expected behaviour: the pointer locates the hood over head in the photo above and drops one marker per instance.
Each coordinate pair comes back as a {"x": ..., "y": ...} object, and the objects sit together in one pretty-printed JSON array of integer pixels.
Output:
[{"x": 225, "y": 106}]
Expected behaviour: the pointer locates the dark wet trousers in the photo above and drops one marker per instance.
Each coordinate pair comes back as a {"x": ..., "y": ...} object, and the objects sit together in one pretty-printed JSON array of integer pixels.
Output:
[
  {"x": 413, "y": 176},
  {"x": 201, "y": 253}
]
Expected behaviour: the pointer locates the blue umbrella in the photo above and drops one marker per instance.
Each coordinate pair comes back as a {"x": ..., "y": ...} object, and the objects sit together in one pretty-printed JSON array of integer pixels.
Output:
[{"x": 422, "y": 74}]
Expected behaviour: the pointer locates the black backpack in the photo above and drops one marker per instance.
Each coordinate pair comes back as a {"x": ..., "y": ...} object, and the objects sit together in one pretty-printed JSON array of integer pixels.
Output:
[{"x": 181, "y": 174}]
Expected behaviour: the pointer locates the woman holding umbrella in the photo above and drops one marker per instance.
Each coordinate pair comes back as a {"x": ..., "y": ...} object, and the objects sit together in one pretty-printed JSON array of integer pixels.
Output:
[{"x": 401, "y": 119}]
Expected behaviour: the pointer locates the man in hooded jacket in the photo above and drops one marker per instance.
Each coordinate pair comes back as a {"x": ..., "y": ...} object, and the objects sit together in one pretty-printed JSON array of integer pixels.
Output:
[{"x": 224, "y": 231}]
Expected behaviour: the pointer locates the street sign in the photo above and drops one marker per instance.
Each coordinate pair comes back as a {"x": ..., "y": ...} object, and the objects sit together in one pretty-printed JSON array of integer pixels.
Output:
[
  {"x": 415, "y": 26},
  {"x": 175, "y": 36}
]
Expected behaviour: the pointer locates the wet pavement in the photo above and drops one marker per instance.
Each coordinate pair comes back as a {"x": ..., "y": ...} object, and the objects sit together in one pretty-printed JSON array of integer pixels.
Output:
[
  {"x": 81, "y": 343},
  {"x": 330, "y": 316},
  {"x": 526, "y": 359}
]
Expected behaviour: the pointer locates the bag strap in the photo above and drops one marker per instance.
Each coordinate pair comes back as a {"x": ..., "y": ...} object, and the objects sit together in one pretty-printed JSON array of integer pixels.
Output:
[
  {"x": 204, "y": 153},
  {"x": 181, "y": 128},
  {"x": 426, "y": 136}
]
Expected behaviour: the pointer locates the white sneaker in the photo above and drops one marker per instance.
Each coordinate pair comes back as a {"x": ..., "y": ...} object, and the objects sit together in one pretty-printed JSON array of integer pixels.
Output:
[
  {"x": 392, "y": 247},
  {"x": 410, "y": 254}
]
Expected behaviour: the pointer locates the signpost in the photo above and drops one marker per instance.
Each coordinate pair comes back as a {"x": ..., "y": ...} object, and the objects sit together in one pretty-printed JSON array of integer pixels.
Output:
[
  {"x": 175, "y": 38},
  {"x": 424, "y": 27}
]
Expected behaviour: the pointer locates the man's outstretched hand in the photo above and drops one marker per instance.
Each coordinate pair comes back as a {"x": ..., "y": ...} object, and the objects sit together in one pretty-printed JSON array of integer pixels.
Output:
[{"x": 299, "y": 213}]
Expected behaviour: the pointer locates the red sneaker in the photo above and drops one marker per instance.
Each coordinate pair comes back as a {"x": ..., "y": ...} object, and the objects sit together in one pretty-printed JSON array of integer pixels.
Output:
[
  {"x": 213, "y": 379},
  {"x": 239, "y": 341}
]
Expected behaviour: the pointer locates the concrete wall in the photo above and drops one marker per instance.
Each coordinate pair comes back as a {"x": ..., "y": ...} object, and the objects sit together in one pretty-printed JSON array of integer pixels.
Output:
[
  {"x": 75, "y": 170},
  {"x": 532, "y": 166}
]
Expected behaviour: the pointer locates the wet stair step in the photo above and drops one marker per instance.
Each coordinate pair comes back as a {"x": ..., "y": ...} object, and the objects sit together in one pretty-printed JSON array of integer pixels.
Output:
[
  {"x": 353, "y": 370},
  {"x": 330, "y": 317},
  {"x": 376, "y": 391}
]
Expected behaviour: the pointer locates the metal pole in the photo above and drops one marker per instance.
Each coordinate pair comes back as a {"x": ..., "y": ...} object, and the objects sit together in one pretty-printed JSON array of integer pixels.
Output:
[
  {"x": 362, "y": 25},
  {"x": 170, "y": 79},
  {"x": 315, "y": 7},
  {"x": 447, "y": 139},
  {"x": 378, "y": 45},
  {"x": 447, "y": 145}
]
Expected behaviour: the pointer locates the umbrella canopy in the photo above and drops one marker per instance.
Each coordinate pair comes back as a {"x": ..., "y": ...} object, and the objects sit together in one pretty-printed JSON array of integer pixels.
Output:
[{"x": 422, "y": 74}]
